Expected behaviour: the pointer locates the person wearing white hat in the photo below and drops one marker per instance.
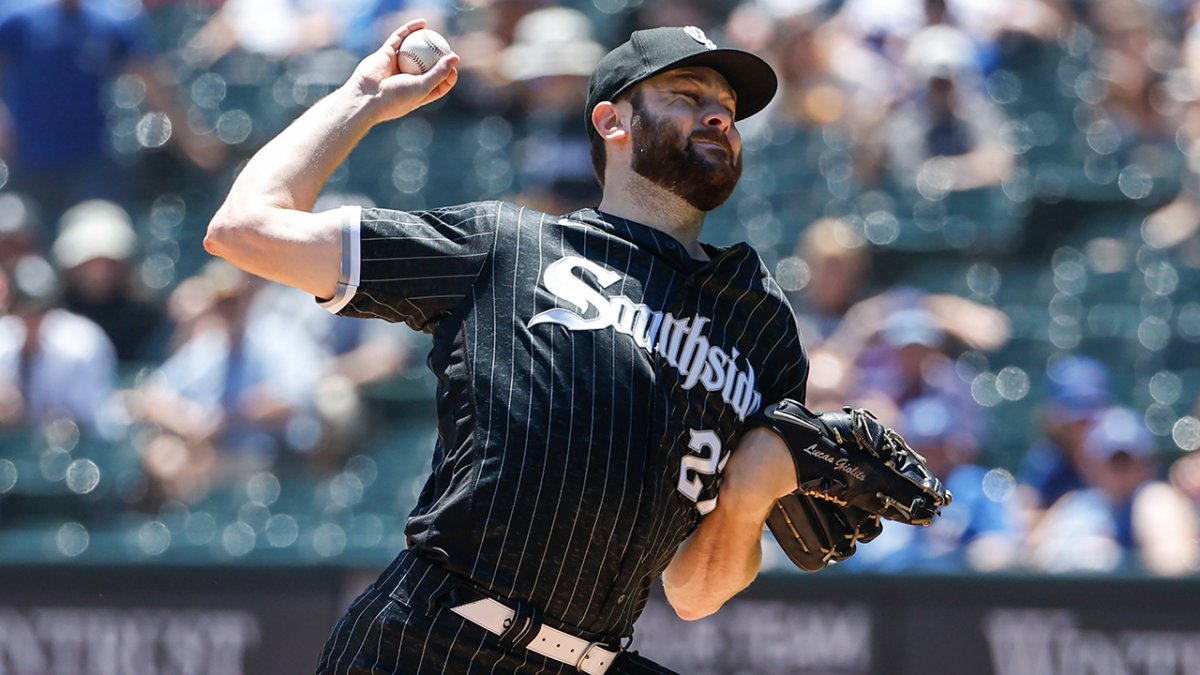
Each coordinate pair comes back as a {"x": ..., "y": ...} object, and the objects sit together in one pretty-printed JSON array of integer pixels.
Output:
[
  {"x": 549, "y": 63},
  {"x": 95, "y": 250}
]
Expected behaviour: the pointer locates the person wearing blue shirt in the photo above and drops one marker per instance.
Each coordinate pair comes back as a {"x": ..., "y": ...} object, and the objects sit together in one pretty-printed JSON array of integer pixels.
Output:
[
  {"x": 1075, "y": 389},
  {"x": 1093, "y": 529},
  {"x": 58, "y": 56}
]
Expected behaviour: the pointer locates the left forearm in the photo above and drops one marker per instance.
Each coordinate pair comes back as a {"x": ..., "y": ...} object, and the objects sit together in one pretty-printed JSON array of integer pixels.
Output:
[
  {"x": 724, "y": 553},
  {"x": 720, "y": 559}
]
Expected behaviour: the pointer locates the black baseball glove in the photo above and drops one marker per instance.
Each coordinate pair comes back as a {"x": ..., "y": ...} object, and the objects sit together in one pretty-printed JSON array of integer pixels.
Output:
[
  {"x": 850, "y": 459},
  {"x": 815, "y": 532}
]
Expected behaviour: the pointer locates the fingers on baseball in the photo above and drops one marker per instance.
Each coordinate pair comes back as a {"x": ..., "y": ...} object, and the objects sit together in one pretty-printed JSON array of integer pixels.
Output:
[
  {"x": 393, "y": 42},
  {"x": 445, "y": 75}
]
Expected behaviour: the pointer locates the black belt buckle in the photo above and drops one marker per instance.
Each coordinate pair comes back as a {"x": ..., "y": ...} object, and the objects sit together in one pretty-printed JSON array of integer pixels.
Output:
[{"x": 520, "y": 630}]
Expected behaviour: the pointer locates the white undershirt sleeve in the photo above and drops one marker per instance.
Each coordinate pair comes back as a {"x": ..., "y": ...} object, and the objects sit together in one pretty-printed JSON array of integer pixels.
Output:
[{"x": 351, "y": 268}]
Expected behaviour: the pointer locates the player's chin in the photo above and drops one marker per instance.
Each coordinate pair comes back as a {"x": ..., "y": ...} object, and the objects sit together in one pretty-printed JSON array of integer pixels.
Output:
[
  {"x": 711, "y": 192},
  {"x": 715, "y": 152}
]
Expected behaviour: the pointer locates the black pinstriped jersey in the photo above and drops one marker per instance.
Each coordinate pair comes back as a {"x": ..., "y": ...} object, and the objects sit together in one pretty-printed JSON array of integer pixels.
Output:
[{"x": 593, "y": 379}]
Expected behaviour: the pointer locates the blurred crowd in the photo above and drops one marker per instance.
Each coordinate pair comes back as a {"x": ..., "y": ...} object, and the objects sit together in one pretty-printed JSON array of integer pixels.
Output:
[{"x": 985, "y": 214}]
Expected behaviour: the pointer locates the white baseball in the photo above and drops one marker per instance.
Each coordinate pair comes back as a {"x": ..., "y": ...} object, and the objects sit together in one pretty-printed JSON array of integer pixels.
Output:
[{"x": 421, "y": 50}]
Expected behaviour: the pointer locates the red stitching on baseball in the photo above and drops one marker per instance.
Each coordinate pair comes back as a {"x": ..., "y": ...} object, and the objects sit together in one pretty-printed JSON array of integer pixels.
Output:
[{"x": 417, "y": 60}]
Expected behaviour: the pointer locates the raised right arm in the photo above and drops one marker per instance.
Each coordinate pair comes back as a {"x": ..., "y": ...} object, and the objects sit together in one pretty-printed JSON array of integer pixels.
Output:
[{"x": 265, "y": 226}]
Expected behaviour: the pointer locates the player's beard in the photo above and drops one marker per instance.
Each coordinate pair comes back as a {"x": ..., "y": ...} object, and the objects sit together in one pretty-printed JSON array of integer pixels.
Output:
[{"x": 703, "y": 178}]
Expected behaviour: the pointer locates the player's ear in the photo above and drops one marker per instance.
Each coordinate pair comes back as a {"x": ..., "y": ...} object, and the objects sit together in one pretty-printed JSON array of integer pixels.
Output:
[{"x": 608, "y": 121}]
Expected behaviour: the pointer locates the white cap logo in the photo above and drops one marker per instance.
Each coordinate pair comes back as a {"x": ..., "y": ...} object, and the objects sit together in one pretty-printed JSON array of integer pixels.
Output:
[{"x": 699, "y": 36}]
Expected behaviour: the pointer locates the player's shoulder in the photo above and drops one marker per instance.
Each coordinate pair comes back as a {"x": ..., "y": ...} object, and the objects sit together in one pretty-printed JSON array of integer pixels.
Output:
[
  {"x": 503, "y": 213},
  {"x": 480, "y": 216},
  {"x": 758, "y": 269},
  {"x": 467, "y": 209},
  {"x": 512, "y": 221}
]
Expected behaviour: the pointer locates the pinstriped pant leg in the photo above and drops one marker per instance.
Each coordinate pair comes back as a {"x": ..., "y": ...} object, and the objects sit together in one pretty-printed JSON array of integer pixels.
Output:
[{"x": 352, "y": 634}]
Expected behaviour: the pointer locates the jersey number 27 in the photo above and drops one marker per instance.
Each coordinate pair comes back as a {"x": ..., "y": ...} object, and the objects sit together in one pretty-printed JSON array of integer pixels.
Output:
[{"x": 705, "y": 459}]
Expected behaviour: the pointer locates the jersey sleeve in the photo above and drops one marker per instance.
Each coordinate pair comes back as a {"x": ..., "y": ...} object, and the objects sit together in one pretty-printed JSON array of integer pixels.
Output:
[
  {"x": 411, "y": 266},
  {"x": 791, "y": 380},
  {"x": 794, "y": 382}
]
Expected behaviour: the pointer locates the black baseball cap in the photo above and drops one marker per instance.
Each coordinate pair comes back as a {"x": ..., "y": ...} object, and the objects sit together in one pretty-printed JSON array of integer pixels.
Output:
[{"x": 655, "y": 50}]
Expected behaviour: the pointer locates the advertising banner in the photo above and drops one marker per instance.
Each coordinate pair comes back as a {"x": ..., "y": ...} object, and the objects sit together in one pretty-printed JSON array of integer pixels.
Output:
[
  {"x": 163, "y": 621},
  {"x": 223, "y": 620},
  {"x": 841, "y": 624}
]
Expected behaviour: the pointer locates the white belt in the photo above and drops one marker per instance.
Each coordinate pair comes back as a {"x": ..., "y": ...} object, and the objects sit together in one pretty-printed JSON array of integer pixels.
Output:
[{"x": 588, "y": 657}]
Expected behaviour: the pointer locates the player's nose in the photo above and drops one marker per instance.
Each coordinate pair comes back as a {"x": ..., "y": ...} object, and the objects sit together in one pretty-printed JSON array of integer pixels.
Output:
[{"x": 718, "y": 118}]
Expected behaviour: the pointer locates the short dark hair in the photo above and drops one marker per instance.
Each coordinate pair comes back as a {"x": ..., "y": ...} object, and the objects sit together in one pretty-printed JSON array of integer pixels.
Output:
[{"x": 599, "y": 154}]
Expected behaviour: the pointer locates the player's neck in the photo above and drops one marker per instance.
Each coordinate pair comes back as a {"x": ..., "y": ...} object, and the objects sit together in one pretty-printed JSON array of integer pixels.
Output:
[{"x": 637, "y": 199}]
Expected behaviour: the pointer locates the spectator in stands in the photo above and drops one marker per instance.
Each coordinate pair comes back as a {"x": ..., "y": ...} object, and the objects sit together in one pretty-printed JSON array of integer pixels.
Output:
[
  {"x": 907, "y": 361},
  {"x": 1076, "y": 388},
  {"x": 826, "y": 75},
  {"x": 839, "y": 326},
  {"x": 1139, "y": 106},
  {"x": 57, "y": 57},
  {"x": 949, "y": 322},
  {"x": 1177, "y": 222},
  {"x": 947, "y": 136},
  {"x": 359, "y": 354},
  {"x": 1185, "y": 475},
  {"x": 976, "y": 532},
  {"x": 549, "y": 62},
  {"x": 95, "y": 248},
  {"x": 838, "y": 265},
  {"x": 353, "y": 356},
  {"x": 53, "y": 364},
  {"x": 487, "y": 31},
  {"x": 677, "y": 13},
  {"x": 233, "y": 396},
  {"x": 893, "y": 23},
  {"x": 835, "y": 267},
  {"x": 1166, "y": 519},
  {"x": 367, "y": 22},
  {"x": 277, "y": 29},
  {"x": 20, "y": 228},
  {"x": 1185, "y": 537},
  {"x": 832, "y": 90},
  {"x": 1123, "y": 517}
]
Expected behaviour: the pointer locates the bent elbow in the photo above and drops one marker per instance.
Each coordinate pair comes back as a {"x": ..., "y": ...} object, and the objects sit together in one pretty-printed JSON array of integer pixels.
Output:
[
  {"x": 235, "y": 232},
  {"x": 694, "y": 611},
  {"x": 219, "y": 231},
  {"x": 211, "y": 243},
  {"x": 692, "y": 606}
]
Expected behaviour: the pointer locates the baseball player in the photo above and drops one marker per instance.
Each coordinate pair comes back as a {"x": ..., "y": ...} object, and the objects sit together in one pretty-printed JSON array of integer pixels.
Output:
[{"x": 598, "y": 371}]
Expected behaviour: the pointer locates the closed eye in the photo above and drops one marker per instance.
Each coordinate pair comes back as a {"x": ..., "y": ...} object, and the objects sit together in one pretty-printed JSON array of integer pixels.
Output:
[{"x": 696, "y": 100}]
